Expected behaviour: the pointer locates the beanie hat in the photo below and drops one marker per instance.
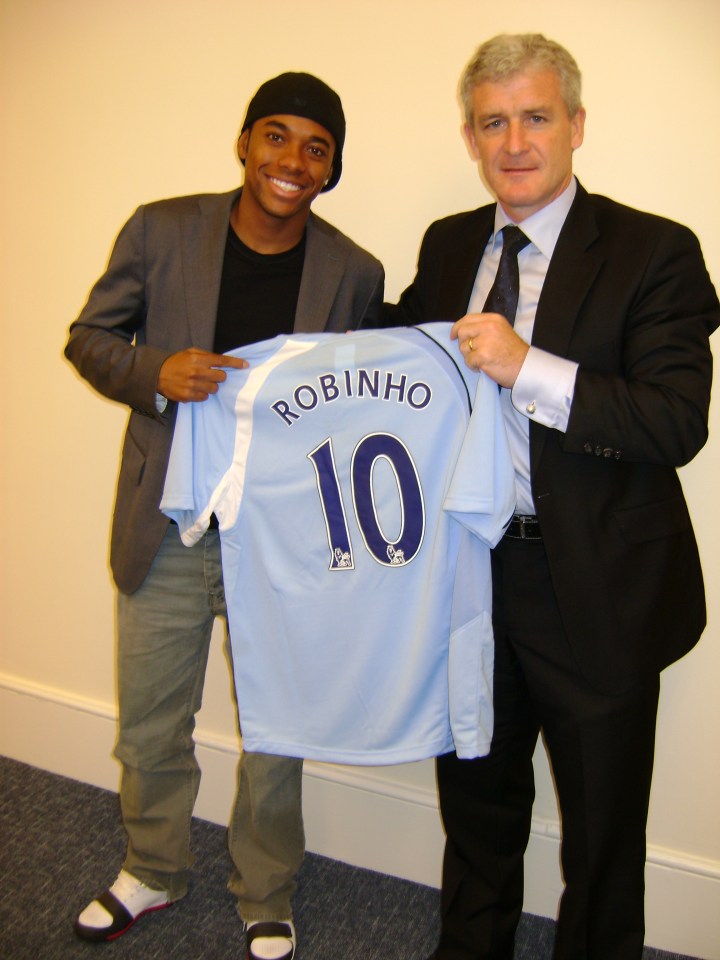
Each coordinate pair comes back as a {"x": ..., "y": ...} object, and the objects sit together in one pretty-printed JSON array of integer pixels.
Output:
[{"x": 302, "y": 95}]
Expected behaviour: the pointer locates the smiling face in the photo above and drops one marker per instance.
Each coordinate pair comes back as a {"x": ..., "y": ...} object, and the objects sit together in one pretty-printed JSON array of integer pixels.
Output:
[
  {"x": 287, "y": 161},
  {"x": 523, "y": 139}
]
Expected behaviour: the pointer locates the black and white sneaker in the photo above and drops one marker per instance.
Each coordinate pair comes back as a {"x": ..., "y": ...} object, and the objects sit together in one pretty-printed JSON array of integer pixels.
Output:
[
  {"x": 270, "y": 940},
  {"x": 113, "y": 913}
]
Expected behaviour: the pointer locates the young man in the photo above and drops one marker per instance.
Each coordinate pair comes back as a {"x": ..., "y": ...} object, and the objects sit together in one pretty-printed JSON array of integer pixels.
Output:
[
  {"x": 597, "y": 584},
  {"x": 188, "y": 279}
]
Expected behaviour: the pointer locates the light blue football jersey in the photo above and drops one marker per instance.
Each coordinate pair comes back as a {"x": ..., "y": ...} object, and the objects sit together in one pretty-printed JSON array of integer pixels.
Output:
[{"x": 359, "y": 481}]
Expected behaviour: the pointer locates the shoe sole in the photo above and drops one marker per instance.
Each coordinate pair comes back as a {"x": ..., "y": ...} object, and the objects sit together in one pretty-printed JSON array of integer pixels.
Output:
[{"x": 97, "y": 936}]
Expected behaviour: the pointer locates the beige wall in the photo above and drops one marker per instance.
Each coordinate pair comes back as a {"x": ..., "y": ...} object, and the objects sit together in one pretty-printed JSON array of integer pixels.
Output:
[{"x": 106, "y": 105}]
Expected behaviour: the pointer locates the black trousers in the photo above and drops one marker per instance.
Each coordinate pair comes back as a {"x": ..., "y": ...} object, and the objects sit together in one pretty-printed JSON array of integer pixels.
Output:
[{"x": 601, "y": 750}]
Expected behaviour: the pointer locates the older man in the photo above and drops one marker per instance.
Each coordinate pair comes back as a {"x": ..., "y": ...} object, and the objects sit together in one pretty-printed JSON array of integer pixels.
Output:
[{"x": 594, "y": 320}]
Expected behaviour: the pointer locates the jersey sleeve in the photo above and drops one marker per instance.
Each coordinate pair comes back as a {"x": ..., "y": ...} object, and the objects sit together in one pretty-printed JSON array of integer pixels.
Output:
[
  {"x": 199, "y": 458},
  {"x": 482, "y": 491}
]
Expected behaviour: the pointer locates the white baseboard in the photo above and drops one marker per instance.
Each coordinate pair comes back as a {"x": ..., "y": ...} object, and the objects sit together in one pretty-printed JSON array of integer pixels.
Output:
[{"x": 355, "y": 814}]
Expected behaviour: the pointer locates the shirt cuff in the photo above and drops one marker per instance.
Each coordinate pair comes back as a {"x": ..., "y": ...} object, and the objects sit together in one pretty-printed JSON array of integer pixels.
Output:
[
  {"x": 160, "y": 403},
  {"x": 544, "y": 388}
]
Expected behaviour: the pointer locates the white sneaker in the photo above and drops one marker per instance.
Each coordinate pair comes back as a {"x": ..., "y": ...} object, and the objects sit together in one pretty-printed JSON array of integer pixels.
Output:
[
  {"x": 270, "y": 940},
  {"x": 116, "y": 910}
]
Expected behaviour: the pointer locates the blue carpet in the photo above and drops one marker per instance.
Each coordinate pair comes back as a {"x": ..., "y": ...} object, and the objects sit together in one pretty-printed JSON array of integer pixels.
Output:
[{"x": 62, "y": 843}]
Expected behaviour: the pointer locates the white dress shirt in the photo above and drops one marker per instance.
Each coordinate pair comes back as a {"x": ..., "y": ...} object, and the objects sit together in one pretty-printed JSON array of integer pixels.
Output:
[{"x": 544, "y": 388}]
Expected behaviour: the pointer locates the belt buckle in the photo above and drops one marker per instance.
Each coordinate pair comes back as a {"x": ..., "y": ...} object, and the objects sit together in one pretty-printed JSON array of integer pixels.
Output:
[{"x": 524, "y": 523}]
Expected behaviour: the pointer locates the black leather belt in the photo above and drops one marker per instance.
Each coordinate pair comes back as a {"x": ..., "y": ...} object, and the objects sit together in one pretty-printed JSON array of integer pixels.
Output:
[{"x": 523, "y": 527}]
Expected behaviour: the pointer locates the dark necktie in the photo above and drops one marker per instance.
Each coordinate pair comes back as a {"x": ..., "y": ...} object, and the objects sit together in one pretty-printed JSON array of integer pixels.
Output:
[{"x": 503, "y": 296}]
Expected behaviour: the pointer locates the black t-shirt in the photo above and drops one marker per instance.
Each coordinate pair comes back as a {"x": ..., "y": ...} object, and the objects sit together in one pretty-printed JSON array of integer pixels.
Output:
[{"x": 258, "y": 294}]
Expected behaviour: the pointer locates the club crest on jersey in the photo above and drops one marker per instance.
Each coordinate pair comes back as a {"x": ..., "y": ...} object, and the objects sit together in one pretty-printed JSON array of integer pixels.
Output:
[
  {"x": 341, "y": 558},
  {"x": 396, "y": 557},
  {"x": 359, "y": 384}
]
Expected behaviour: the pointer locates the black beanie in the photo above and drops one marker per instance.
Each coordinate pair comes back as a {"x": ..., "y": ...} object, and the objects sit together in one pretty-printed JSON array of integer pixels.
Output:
[{"x": 302, "y": 95}]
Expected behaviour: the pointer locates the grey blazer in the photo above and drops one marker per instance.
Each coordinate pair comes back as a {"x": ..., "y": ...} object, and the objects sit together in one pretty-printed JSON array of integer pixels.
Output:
[{"x": 158, "y": 296}]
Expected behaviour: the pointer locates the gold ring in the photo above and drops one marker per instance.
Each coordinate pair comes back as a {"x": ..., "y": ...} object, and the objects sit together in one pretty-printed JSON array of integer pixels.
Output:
[{"x": 470, "y": 345}]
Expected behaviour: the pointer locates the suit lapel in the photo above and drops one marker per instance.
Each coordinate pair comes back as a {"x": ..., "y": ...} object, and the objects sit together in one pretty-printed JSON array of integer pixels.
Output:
[
  {"x": 575, "y": 263},
  {"x": 322, "y": 274},
  {"x": 573, "y": 268},
  {"x": 461, "y": 263},
  {"x": 204, "y": 235}
]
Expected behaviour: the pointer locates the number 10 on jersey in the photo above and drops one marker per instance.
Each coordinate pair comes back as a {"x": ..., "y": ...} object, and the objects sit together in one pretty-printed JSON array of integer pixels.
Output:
[{"x": 371, "y": 449}]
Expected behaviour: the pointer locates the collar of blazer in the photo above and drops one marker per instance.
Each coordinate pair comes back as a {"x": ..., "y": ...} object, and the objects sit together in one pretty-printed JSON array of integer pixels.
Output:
[
  {"x": 323, "y": 271},
  {"x": 203, "y": 239},
  {"x": 574, "y": 265}
]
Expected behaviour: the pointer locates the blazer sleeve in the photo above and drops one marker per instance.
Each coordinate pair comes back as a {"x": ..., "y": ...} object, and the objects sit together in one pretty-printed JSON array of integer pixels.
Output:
[
  {"x": 106, "y": 342},
  {"x": 649, "y": 402}
]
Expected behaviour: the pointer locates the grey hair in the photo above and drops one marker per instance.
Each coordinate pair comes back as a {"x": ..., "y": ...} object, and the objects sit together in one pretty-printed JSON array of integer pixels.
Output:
[{"x": 500, "y": 58}]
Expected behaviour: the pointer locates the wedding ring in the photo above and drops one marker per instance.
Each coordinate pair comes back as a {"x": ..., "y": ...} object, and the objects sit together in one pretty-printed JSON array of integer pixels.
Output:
[{"x": 470, "y": 345}]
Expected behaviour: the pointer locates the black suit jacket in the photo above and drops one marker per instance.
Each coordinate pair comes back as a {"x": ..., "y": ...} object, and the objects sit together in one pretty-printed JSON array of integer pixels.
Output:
[{"x": 627, "y": 297}]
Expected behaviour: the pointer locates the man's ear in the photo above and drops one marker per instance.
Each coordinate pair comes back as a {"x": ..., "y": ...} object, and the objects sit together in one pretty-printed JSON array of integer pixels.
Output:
[
  {"x": 470, "y": 142},
  {"x": 578, "y": 128},
  {"x": 242, "y": 145}
]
